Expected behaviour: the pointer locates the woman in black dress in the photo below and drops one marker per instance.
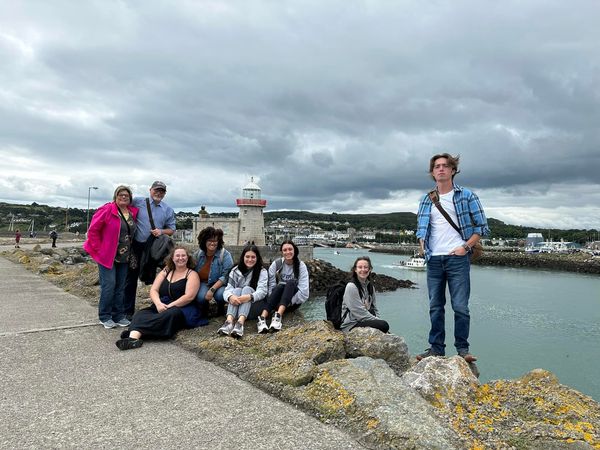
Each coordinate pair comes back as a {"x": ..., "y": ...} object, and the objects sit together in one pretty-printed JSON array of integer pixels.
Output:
[{"x": 173, "y": 295}]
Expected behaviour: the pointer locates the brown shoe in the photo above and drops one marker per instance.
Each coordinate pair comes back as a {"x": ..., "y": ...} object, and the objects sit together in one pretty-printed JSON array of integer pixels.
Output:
[
  {"x": 427, "y": 353},
  {"x": 467, "y": 357}
]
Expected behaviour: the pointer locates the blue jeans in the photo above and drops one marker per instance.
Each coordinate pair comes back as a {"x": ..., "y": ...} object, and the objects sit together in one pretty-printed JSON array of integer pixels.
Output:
[
  {"x": 453, "y": 271},
  {"x": 112, "y": 288},
  {"x": 201, "y": 298}
]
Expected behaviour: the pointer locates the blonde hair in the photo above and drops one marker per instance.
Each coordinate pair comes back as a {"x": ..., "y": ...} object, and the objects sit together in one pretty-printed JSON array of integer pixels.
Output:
[{"x": 120, "y": 188}]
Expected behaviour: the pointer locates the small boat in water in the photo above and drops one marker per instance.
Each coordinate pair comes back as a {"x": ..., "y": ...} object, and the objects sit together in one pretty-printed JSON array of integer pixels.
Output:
[{"x": 415, "y": 263}]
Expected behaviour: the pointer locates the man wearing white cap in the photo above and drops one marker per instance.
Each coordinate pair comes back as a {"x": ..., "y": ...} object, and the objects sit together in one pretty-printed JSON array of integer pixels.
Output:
[{"x": 164, "y": 223}]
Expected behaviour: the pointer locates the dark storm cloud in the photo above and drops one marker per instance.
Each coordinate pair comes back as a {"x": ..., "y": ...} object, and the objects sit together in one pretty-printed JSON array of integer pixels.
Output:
[{"x": 330, "y": 104}]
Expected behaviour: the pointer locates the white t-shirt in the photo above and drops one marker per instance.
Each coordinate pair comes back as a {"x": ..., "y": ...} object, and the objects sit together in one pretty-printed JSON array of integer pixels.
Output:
[{"x": 444, "y": 238}]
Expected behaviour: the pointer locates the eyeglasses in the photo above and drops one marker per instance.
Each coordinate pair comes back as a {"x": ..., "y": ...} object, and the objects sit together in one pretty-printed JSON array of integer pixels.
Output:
[{"x": 212, "y": 241}]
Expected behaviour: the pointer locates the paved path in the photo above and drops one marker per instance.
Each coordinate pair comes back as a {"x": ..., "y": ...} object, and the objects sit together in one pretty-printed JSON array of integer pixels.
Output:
[{"x": 64, "y": 383}]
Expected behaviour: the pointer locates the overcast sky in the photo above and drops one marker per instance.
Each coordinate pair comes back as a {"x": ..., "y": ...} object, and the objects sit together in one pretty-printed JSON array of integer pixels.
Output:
[{"x": 331, "y": 105}]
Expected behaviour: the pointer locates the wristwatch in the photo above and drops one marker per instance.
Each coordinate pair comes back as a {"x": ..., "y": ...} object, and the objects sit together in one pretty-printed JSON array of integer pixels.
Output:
[
  {"x": 466, "y": 247},
  {"x": 212, "y": 289}
]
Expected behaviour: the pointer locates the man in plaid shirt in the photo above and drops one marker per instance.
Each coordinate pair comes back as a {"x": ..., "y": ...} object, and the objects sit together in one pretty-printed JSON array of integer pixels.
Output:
[{"x": 448, "y": 253}]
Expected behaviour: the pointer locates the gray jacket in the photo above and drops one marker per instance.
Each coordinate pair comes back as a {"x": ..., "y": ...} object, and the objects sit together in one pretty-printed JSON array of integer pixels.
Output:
[
  {"x": 286, "y": 273},
  {"x": 238, "y": 280},
  {"x": 357, "y": 307}
]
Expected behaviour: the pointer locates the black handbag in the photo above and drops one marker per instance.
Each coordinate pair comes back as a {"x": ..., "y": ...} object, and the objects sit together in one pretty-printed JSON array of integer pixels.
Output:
[{"x": 161, "y": 245}]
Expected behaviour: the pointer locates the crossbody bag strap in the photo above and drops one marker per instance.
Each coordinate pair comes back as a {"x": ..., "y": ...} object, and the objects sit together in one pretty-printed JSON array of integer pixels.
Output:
[
  {"x": 150, "y": 214},
  {"x": 129, "y": 236},
  {"x": 435, "y": 198},
  {"x": 126, "y": 223}
]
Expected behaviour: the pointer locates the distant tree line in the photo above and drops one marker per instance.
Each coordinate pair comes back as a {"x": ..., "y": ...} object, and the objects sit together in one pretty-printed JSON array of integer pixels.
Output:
[{"x": 50, "y": 217}]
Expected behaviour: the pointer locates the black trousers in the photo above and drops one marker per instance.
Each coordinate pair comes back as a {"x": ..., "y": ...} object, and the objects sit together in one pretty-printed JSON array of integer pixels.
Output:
[{"x": 281, "y": 295}]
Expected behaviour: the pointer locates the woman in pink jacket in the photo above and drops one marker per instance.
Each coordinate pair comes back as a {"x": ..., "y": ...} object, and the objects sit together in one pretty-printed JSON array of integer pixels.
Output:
[{"x": 109, "y": 244}]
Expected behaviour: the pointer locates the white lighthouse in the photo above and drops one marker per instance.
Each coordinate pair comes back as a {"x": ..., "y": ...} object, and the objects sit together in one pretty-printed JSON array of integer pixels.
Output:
[{"x": 252, "y": 221}]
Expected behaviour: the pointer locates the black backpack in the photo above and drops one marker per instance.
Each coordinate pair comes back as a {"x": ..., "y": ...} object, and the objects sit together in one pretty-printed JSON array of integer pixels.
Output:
[{"x": 333, "y": 304}]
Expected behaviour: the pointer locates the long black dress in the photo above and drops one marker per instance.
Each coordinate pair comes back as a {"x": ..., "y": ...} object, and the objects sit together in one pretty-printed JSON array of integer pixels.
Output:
[{"x": 152, "y": 324}]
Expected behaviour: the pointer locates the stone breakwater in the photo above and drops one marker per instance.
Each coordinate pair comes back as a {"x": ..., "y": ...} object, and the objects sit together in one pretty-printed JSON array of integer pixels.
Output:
[
  {"x": 324, "y": 274},
  {"x": 573, "y": 262},
  {"x": 367, "y": 383},
  {"x": 73, "y": 270}
]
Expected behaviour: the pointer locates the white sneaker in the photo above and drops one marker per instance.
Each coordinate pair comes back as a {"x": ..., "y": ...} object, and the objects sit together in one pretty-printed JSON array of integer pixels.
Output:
[
  {"x": 275, "y": 323},
  {"x": 226, "y": 329},
  {"x": 261, "y": 324}
]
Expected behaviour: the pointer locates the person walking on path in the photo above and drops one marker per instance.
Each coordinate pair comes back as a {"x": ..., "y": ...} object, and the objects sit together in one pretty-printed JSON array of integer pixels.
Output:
[
  {"x": 17, "y": 238},
  {"x": 109, "y": 244},
  {"x": 164, "y": 222},
  {"x": 448, "y": 253},
  {"x": 53, "y": 236}
]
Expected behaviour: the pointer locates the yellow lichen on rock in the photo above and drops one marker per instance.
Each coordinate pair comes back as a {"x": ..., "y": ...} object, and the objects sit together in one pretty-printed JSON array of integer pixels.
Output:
[
  {"x": 372, "y": 423},
  {"x": 329, "y": 394},
  {"x": 521, "y": 411}
]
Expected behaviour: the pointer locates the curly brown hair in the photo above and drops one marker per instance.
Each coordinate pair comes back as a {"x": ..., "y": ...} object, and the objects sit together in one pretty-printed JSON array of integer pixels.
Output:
[{"x": 210, "y": 233}]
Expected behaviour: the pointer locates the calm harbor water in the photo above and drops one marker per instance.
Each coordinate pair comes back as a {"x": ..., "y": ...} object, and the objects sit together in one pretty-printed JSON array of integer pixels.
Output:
[{"x": 521, "y": 319}]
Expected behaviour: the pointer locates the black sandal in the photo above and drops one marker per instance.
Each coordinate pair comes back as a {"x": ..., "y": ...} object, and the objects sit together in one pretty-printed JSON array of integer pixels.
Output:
[{"x": 129, "y": 343}]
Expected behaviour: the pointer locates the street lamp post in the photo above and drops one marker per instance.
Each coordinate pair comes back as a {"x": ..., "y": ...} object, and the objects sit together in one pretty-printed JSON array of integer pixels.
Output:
[{"x": 87, "y": 220}]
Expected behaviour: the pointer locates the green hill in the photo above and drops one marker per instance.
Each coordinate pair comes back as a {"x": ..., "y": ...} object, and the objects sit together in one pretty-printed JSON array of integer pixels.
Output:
[{"x": 46, "y": 217}]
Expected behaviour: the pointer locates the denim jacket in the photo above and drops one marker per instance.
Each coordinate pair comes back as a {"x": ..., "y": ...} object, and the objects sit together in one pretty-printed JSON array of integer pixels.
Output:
[
  {"x": 219, "y": 268},
  {"x": 471, "y": 218}
]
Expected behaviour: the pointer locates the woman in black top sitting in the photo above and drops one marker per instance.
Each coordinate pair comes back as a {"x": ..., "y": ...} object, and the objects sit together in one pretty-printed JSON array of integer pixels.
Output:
[{"x": 173, "y": 295}]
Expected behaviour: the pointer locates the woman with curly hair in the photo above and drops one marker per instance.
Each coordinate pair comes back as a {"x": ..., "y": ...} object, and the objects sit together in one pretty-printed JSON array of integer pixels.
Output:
[
  {"x": 173, "y": 307},
  {"x": 213, "y": 263}
]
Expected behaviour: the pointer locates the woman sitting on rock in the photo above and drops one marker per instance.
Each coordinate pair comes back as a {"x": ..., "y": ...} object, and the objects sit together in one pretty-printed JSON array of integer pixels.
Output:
[
  {"x": 288, "y": 288},
  {"x": 247, "y": 284},
  {"x": 173, "y": 295},
  {"x": 213, "y": 264},
  {"x": 359, "y": 306}
]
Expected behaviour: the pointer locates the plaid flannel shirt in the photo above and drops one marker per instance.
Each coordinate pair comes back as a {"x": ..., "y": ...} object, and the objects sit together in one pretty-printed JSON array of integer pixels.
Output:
[{"x": 471, "y": 218}]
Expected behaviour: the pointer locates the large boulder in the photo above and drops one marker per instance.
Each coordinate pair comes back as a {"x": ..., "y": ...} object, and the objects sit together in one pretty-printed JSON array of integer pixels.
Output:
[
  {"x": 366, "y": 396},
  {"x": 533, "y": 412},
  {"x": 442, "y": 380},
  {"x": 365, "y": 341}
]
